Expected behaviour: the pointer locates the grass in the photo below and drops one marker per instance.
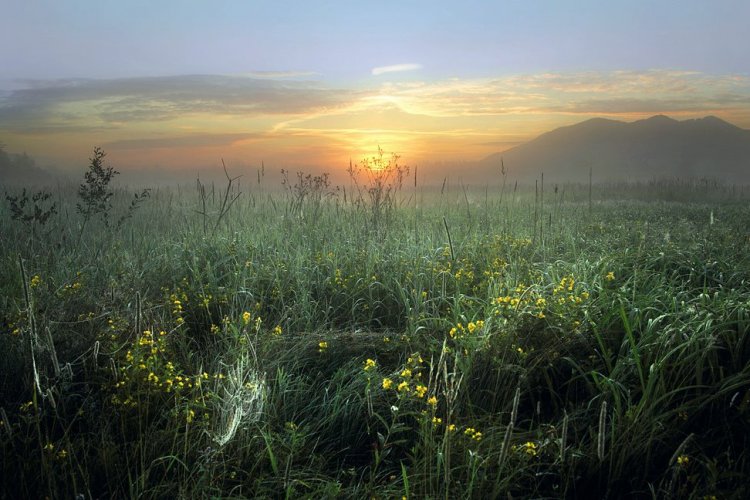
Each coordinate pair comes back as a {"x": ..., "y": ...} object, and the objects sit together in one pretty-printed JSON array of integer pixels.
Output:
[{"x": 455, "y": 343}]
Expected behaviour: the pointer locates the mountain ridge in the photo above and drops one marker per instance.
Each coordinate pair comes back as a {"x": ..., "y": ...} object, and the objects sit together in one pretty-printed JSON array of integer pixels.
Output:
[{"x": 658, "y": 146}]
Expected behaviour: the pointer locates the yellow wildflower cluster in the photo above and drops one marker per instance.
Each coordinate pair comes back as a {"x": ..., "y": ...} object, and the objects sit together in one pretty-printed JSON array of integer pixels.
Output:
[
  {"x": 291, "y": 426},
  {"x": 340, "y": 279},
  {"x": 250, "y": 320},
  {"x": 176, "y": 302},
  {"x": 322, "y": 346},
  {"x": 409, "y": 378},
  {"x": 369, "y": 365},
  {"x": 529, "y": 448},
  {"x": 460, "y": 330},
  {"x": 473, "y": 434},
  {"x": 147, "y": 373},
  {"x": 35, "y": 281},
  {"x": 563, "y": 306}
]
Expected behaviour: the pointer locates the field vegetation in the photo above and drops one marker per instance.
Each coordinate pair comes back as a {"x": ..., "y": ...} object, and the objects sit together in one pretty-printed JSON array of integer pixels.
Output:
[{"x": 380, "y": 339}]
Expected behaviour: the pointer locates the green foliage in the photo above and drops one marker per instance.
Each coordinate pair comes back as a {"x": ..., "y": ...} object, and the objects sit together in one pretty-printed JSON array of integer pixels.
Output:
[{"x": 542, "y": 353}]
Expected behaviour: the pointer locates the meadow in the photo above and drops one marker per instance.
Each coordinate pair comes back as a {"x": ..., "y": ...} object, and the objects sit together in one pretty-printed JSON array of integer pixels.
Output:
[{"x": 248, "y": 340}]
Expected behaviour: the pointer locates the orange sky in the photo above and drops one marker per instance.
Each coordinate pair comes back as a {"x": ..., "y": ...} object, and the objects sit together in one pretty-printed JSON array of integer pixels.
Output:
[
  {"x": 295, "y": 121},
  {"x": 180, "y": 85}
]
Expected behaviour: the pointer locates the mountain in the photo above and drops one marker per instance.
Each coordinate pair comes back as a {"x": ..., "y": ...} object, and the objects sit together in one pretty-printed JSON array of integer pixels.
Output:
[{"x": 655, "y": 147}]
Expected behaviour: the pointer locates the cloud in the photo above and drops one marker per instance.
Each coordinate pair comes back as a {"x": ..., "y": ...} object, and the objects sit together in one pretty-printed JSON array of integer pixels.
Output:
[
  {"x": 63, "y": 103},
  {"x": 628, "y": 105},
  {"x": 608, "y": 93},
  {"x": 185, "y": 141},
  {"x": 395, "y": 68},
  {"x": 278, "y": 75}
]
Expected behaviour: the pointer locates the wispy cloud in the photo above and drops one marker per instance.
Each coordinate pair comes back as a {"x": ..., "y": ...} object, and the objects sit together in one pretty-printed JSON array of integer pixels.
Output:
[
  {"x": 184, "y": 141},
  {"x": 64, "y": 103},
  {"x": 395, "y": 68},
  {"x": 607, "y": 93}
]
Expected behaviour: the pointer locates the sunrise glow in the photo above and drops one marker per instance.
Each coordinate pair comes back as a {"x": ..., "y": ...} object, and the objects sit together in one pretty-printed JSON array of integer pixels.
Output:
[{"x": 304, "y": 98}]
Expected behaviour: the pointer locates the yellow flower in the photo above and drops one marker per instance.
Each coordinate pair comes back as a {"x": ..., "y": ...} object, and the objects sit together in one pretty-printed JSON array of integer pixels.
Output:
[
  {"x": 451, "y": 428},
  {"x": 322, "y": 346},
  {"x": 277, "y": 330},
  {"x": 35, "y": 281},
  {"x": 403, "y": 386},
  {"x": 683, "y": 460},
  {"x": 432, "y": 401},
  {"x": 610, "y": 276},
  {"x": 437, "y": 421},
  {"x": 387, "y": 383},
  {"x": 369, "y": 364},
  {"x": 529, "y": 448},
  {"x": 420, "y": 390},
  {"x": 246, "y": 317},
  {"x": 406, "y": 373}
]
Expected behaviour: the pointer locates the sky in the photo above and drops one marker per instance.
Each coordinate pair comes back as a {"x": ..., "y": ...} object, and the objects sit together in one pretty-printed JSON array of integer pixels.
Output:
[{"x": 312, "y": 84}]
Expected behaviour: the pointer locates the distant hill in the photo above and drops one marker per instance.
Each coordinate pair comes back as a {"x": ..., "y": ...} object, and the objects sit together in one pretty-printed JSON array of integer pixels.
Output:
[
  {"x": 21, "y": 170},
  {"x": 655, "y": 147}
]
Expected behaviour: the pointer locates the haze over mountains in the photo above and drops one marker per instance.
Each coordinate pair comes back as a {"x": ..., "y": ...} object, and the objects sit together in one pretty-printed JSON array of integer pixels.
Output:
[{"x": 656, "y": 147}]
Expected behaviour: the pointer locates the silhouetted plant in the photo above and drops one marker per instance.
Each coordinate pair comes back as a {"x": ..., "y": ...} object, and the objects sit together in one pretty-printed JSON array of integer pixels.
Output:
[
  {"x": 230, "y": 196},
  {"x": 384, "y": 179},
  {"x": 95, "y": 193},
  {"x": 38, "y": 214},
  {"x": 307, "y": 189},
  {"x": 32, "y": 216}
]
